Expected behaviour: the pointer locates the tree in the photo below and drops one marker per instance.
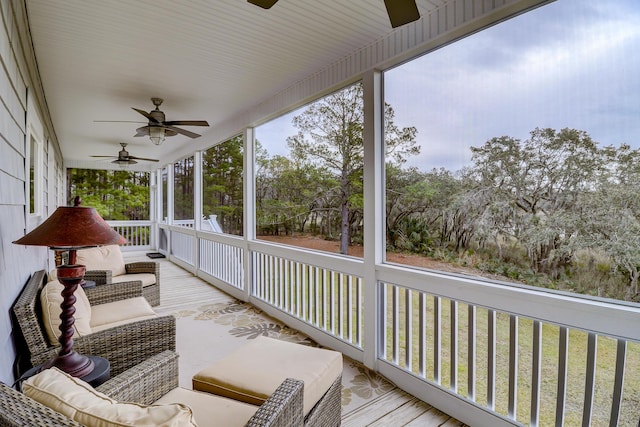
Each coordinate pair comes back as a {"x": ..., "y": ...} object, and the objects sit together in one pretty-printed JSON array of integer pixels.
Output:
[
  {"x": 183, "y": 187},
  {"x": 539, "y": 181},
  {"x": 222, "y": 190},
  {"x": 330, "y": 136},
  {"x": 116, "y": 195}
]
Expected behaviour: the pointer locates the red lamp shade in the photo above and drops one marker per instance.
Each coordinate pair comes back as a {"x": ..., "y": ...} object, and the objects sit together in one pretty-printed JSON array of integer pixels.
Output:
[{"x": 73, "y": 227}]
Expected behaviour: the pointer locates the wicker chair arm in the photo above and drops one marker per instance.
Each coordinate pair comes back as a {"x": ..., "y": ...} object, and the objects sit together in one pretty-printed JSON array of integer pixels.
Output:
[
  {"x": 123, "y": 346},
  {"x": 143, "y": 267},
  {"x": 101, "y": 294},
  {"x": 101, "y": 277},
  {"x": 283, "y": 408},
  {"x": 146, "y": 382},
  {"x": 18, "y": 410}
]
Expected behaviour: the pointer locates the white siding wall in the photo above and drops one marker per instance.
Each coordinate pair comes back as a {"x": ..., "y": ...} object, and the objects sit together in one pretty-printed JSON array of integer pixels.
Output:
[{"x": 17, "y": 263}]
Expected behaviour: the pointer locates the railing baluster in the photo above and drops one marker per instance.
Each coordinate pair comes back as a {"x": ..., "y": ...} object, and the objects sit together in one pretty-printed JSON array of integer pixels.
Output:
[
  {"x": 359, "y": 312},
  {"x": 491, "y": 359},
  {"x": 437, "y": 340},
  {"x": 350, "y": 313},
  {"x": 590, "y": 381},
  {"x": 395, "y": 322},
  {"x": 316, "y": 295},
  {"x": 535, "y": 373},
  {"x": 422, "y": 333},
  {"x": 325, "y": 284},
  {"x": 300, "y": 285},
  {"x": 270, "y": 279},
  {"x": 453, "y": 367},
  {"x": 341, "y": 305},
  {"x": 513, "y": 366},
  {"x": 616, "y": 401},
  {"x": 408, "y": 330},
  {"x": 332, "y": 302},
  {"x": 471, "y": 356}
]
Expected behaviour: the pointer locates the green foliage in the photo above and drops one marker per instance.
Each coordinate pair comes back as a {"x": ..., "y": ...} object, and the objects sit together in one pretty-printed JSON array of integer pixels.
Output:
[
  {"x": 116, "y": 195},
  {"x": 222, "y": 184},
  {"x": 549, "y": 198},
  {"x": 183, "y": 188}
]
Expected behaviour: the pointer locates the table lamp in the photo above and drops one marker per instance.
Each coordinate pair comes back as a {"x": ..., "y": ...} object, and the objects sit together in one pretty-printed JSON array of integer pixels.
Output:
[{"x": 70, "y": 228}]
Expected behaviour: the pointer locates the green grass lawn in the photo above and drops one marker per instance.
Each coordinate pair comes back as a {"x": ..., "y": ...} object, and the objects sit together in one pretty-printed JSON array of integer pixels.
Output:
[{"x": 605, "y": 364}]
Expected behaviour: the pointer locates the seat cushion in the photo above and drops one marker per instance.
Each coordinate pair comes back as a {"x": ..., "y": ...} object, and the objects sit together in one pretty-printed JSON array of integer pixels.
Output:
[
  {"x": 102, "y": 258},
  {"x": 79, "y": 401},
  {"x": 147, "y": 279},
  {"x": 50, "y": 300},
  {"x": 104, "y": 316},
  {"x": 254, "y": 371},
  {"x": 211, "y": 410}
]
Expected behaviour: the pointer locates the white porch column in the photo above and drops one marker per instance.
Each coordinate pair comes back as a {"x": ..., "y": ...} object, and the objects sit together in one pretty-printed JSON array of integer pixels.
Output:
[
  {"x": 197, "y": 208},
  {"x": 374, "y": 243},
  {"x": 249, "y": 202}
]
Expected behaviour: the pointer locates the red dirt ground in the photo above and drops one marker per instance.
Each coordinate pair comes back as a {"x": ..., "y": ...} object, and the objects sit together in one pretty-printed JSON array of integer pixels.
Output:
[{"x": 333, "y": 246}]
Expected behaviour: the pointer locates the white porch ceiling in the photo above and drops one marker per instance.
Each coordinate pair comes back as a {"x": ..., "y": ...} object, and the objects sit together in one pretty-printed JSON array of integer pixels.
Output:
[{"x": 208, "y": 59}]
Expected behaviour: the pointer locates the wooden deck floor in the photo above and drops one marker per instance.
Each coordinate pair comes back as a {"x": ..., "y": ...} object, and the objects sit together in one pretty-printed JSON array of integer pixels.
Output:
[{"x": 181, "y": 291}]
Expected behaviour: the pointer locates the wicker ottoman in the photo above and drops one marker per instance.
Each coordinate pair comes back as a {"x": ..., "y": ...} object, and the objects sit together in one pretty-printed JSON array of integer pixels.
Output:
[{"x": 254, "y": 371}]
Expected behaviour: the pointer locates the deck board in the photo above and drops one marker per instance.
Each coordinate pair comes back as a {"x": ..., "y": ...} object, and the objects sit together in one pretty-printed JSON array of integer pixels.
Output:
[{"x": 181, "y": 291}]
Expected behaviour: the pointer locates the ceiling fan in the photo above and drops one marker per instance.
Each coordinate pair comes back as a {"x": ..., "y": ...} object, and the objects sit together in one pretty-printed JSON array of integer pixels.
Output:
[
  {"x": 158, "y": 128},
  {"x": 400, "y": 11},
  {"x": 123, "y": 157}
]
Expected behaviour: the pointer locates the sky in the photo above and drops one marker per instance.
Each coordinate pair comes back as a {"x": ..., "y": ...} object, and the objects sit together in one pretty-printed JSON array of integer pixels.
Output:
[{"x": 572, "y": 63}]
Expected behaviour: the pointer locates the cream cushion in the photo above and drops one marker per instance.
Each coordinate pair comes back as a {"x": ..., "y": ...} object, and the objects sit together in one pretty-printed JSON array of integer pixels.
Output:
[
  {"x": 79, "y": 401},
  {"x": 102, "y": 258},
  {"x": 211, "y": 410},
  {"x": 254, "y": 371},
  {"x": 116, "y": 313},
  {"x": 147, "y": 279},
  {"x": 50, "y": 300}
]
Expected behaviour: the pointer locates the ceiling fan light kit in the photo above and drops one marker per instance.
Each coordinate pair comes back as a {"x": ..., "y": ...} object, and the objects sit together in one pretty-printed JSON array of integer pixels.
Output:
[{"x": 156, "y": 135}]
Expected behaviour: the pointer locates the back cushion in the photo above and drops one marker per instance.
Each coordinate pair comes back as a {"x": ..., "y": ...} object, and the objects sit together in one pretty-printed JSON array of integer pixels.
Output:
[
  {"x": 79, "y": 401},
  {"x": 50, "y": 300},
  {"x": 102, "y": 258}
]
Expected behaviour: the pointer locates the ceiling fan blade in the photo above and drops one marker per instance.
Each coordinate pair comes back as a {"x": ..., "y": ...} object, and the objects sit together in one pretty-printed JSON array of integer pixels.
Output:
[
  {"x": 402, "y": 11},
  {"x": 108, "y": 157},
  {"x": 143, "y": 158},
  {"x": 265, "y": 4},
  {"x": 187, "y": 123},
  {"x": 117, "y": 121},
  {"x": 181, "y": 131},
  {"x": 144, "y": 113}
]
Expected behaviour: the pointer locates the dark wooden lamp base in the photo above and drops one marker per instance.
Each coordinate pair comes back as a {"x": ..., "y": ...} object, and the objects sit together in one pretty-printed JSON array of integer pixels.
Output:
[{"x": 68, "y": 360}]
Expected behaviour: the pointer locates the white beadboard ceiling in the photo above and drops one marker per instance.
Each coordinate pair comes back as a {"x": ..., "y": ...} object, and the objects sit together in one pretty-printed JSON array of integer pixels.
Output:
[{"x": 209, "y": 60}]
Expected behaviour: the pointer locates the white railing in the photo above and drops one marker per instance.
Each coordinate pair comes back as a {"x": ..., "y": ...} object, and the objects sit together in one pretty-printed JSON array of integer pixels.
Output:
[
  {"x": 223, "y": 261},
  {"x": 187, "y": 223},
  {"x": 485, "y": 353},
  {"x": 326, "y": 298},
  {"x": 137, "y": 233},
  {"x": 525, "y": 369},
  {"x": 182, "y": 246}
]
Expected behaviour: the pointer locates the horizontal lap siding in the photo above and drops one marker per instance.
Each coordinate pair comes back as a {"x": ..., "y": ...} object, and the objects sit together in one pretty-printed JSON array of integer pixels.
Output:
[{"x": 17, "y": 263}]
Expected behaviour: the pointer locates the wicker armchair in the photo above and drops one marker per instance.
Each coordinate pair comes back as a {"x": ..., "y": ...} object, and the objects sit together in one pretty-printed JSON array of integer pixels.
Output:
[
  {"x": 124, "y": 346},
  {"x": 145, "y": 383},
  {"x": 150, "y": 292}
]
